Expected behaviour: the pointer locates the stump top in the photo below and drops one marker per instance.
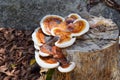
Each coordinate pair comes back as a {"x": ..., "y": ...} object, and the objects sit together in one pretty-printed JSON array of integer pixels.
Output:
[{"x": 96, "y": 39}]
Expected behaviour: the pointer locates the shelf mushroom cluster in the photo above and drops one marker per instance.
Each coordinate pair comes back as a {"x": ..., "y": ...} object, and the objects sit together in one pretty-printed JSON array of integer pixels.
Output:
[{"x": 54, "y": 34}]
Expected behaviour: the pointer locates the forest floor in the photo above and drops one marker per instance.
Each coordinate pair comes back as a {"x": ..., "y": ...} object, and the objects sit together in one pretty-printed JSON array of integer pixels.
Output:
[{"x": 17, "y": 55}]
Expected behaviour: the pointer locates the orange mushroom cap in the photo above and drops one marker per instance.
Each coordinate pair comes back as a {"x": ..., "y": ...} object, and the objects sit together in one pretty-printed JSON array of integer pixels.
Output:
[
  {"x": 45, "y": 62},
  {"x": 38, "y": 38},
  {"x": 79, "y": 27},
  {"x": 65, "y": 38},
  {"x": 50, "y": 21}
]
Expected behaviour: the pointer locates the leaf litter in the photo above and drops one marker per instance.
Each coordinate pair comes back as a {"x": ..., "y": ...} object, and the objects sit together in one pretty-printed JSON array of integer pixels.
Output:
[{"x": 17, "y": 56}]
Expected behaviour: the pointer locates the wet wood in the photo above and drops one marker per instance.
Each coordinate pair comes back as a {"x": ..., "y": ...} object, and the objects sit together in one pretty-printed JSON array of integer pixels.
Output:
[{"x": 95, "y": 55}]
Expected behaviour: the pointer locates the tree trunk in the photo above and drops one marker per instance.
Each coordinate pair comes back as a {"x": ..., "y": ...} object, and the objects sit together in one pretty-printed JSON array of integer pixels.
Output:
[{"x": 95, "y": 55}]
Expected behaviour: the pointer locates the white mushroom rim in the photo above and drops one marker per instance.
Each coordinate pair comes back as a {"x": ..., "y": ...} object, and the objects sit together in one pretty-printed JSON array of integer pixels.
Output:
[
  {"x": 37, "y": 47},
  {"x": 34, "y": 38},
  {"x": 43, "y": 64},
  {"x": 43, "y": 54},
  {"x": 44, "y": 18},
  {"x": 65, "y": 44},
  {"x": 68, "y": 69},
  {"x": 84, "y": 30}
]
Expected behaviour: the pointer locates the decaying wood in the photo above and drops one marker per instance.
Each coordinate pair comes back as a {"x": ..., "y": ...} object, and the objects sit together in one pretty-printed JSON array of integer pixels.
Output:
[{"x": 95, "y": 55}]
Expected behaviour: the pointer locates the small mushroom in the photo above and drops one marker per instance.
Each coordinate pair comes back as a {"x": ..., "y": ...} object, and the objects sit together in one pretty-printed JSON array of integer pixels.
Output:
[
  {"x": 50, "y": 21},
  {"x": 76, "y": 25},
  {"x": 67, "y": 68},
  {"x": 46, "y": 62},
  {"x": 38, "y": 38},
  {"x": 65, "y": 38},
  {"x": 79, "y": 27}
]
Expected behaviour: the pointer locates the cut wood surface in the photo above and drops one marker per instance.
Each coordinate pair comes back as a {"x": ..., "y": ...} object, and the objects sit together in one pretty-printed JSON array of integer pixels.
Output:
[{"x": 95, "y": 55}]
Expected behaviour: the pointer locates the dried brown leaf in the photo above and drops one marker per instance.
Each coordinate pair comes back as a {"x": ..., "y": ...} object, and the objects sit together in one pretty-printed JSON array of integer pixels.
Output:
[
  {"x": 7, "y": 78},
  {"x": 12, "y": 48},
  {"x": 5, "y": 70},
  {"x": 2, "y": 50}
]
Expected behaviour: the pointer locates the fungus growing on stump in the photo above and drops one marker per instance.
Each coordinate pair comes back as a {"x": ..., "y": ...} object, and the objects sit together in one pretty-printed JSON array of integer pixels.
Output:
[
  {"x": 50, "y": 21},
  {"x": 65, "y": 38},
  {"x": 46, "y": 62},
  {"x": 56, "y": 33},
  {"x": 38, "y": 38}
]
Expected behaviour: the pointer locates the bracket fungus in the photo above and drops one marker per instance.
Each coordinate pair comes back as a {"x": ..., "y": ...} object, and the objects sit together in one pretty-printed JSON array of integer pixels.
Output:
[
  {"x": 67, "y": 33},
  {"x": 69, "y": 68},
  {"x": 45, "y": 62},
  {"x": 50, "y": 21},
  {"x": 56, "y": 33},
  {"x": 38, "y": 38},
  {"x": 65, "y": 38}
]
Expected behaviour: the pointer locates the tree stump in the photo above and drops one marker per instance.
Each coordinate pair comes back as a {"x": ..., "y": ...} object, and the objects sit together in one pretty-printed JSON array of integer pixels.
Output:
[{"x": 95, "y": 55}]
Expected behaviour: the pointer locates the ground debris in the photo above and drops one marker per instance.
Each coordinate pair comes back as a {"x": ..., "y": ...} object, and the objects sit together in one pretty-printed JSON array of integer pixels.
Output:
[{"x": 16, "y": 52}]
